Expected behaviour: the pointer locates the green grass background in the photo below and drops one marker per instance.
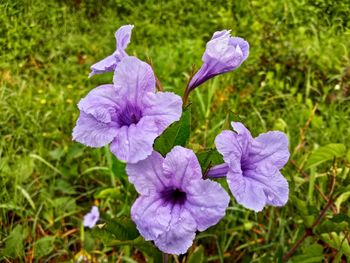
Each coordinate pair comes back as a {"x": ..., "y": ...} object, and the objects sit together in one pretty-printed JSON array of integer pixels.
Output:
[{"x": 299, "y": 63}]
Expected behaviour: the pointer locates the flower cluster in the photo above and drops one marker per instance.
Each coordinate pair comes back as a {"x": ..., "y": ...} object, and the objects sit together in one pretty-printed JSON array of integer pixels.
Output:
[{"x": 174, "y": 199}]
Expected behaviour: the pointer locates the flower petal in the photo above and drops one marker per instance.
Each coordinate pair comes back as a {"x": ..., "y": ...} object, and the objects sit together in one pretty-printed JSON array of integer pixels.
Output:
[
  {"x": 151, "y": 216},
  {"x": 256, "y": 188},
  {"x": 101, "y": 103},
  {"x": 229, "y": 147},
  {"x": 135, "y": 142},
  {"x": 109, "y": 63},
  {"x": 275, "y": 186},
  {"x": 91, "y": 132},
  {"x": 122, "y": 37},
  {"x": 207, "y": 202},
  {"x": 242, "y": 44},
  {"x": 244, "y": 190},
  {"x": 245, "y": 137},
  {"x": 222, "y": 33},
  {"x": 96, "y": 125},
  {"x": 223, "y": 53},
  {"x": 270, "y": 148},
  {"x": 105, "y": 65},
  {"x": 220, "y": 54},
  {"x": 179, "y": 234},
  {"x": 162, "y": 109},
  {"x": 182, "y": 167},
  {"x": 91, "y": 218},
  {"x": 133, "y": 78},
  {"x": 147, "y": 175}
]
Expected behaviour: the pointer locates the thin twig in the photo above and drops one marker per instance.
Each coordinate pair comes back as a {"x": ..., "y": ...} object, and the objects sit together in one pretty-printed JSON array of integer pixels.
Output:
[
  {"x": 303, "y": 130},
  {"x": 309, "y": 231},
  {"x": 318, "y": 189},
  {"x": 187, "y": 89},
  {"x": 206, "y": 171},
  {"x": 120, "y": 257},
  {"x": 165, "y": 258},
  {"x": 158, "y": 83},
  {"x": 176, "y": 259}
]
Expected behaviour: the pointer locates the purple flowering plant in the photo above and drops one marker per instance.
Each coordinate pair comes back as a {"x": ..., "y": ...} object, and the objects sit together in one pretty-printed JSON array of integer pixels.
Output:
[
  {"x": 149, "y": 130},
  {"x": 91, "y": 218},
  {"x": 129, "y": 114}
]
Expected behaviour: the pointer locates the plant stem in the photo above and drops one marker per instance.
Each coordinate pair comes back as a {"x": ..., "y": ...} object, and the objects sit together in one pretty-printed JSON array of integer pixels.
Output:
[
  {"x": 158, "y": 83},
  {"x": 318, "y": 189},
  {"x": 165, "y": 257},
  {"x": 309, "y": 231},
  {"x": 187, "y": 89}
]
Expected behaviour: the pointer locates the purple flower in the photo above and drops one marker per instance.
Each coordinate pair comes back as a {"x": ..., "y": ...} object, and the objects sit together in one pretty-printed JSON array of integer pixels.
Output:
[
  {"x": 91, "y": 218},
  {"x": 252, "y": 166},
  {"x": 109, "y": 63},
  {"x": 128, "y": 114},
  {"x": 223, "y": 54},
  {"x": 175, "y": 201}
]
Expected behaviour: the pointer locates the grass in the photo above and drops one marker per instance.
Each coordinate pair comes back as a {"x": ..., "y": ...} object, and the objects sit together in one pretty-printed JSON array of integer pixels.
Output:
[{"x": 299, "y": 64}]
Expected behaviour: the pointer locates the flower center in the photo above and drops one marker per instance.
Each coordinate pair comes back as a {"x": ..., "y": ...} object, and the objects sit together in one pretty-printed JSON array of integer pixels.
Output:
[
  {"x": 131, "y": 114},
  {"x": 173, "y": 195}
]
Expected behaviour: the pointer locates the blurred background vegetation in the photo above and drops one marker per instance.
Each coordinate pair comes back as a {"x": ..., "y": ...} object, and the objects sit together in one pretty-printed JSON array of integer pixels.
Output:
[{"x": 296, "y": 79}]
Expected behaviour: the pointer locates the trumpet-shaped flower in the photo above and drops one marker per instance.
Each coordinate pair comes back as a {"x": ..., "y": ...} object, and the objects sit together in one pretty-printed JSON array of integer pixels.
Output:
[
  {"x": 174, "y": 200},
  {"x": 129, "y": 114},
  {"x": 223, "y": 54},
  {"x": 109, "y": 63},
  {"x": 252, "y": 166},
  {"x": 90, "y": 219}
]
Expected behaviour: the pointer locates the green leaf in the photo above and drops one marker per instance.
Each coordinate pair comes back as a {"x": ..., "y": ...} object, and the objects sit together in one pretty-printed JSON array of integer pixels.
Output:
[
  {"x": 24, "y": 167},
  {"x": 14, "y": 243},
  {"x": 121, "y": 228},
  {"x": 64, "y": 204},
  {"x": 146, "y": 247},
  {"x": 329, "y": 226},
  {"x": 64, "y": 187},
  {"x": 75, "y": 151},
  {"x": 230, "y": 116},
  {"x": 312, "y": 253},
  {"x": 43, "y": 246},
  {"x": 89, "y": 241},
  {"x": 337, "y": 241},
  {"x": 110, "y": 192},
  {"x": 300, "y": 205},
  {"x": 197, "y": 256},
  {"x": 57, "y": 153},
  {"x": 39, "y": 158},
  {"x": 341, "y": 199},
  {"x": 118, "y": 168},
  {"x": 341, "y": 218},
  {"x": 348, "y": 155},
  {"x": 325, "y": 153},
  {"x": 209, "y": 158},
  {"x": 102, "y": 234},
  {"x": 27, "y": 196},
  {"x": 305, "y": 211},
  {"x": 151, "y": 251},
  {"x": 176, "y": 134},
  {"x": 115, "y": 229}
]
